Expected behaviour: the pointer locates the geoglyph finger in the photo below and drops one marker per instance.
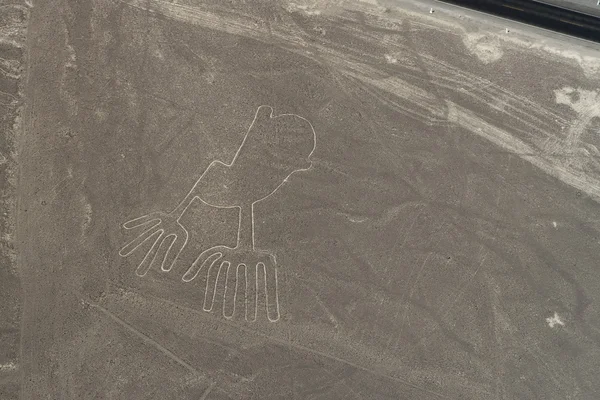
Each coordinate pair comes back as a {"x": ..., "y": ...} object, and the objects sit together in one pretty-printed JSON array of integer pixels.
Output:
[
  {"x": 172, "y": 253},
  {"x": 261, "y": 290},
  {"x": 211, "y": 284},
  {"x": 218, "y": 303},
  {"x": 141, "y": 221},
  {"x": 162, "y": 251},
  {"x": 251, "y": 293},
  {"x": 241, "y": 288},
  {"x": 231, "y": 285},
  {"x": 271, "y": 291},
  {"x": 138, "y": 241},
  {"x": 144, "y": 266},
  {"x": 200, "y": 263}
]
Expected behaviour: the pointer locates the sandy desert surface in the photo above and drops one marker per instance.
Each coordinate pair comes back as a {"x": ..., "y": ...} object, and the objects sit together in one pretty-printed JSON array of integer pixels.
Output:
[{"x": 296, "y": 200}]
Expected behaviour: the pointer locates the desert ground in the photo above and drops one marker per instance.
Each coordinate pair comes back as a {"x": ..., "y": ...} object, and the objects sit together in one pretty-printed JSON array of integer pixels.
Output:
[{"x": 296, "y": 200}]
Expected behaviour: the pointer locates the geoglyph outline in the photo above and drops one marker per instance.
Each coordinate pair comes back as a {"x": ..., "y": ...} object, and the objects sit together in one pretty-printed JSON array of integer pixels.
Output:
[{"x": 215, "y": 253}]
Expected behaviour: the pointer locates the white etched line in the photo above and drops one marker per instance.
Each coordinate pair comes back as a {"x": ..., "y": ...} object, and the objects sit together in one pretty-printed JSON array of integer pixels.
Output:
[
  {"x": 166, "y": 255},
  {"x": 227, "y": 289},
  {"x": 141, "y": 221},
  {"x": 211, "y": 287},
  {"x": 144, "y": 266},
  {"x": 293, "y": 152},
  {"x": 277, "y": 315},
  {"x": 194, "y": 270},
  {"x": 137, "y": 242}
]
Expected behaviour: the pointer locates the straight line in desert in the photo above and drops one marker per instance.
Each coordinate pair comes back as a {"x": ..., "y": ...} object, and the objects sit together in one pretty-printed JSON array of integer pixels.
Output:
[{"x": 475, "y": 387}]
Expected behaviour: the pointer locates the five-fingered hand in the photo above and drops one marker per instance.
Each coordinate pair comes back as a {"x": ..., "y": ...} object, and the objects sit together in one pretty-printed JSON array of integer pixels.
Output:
[
  {"x": 168, "y": 238},
  {"x": 243, "y": 279}
]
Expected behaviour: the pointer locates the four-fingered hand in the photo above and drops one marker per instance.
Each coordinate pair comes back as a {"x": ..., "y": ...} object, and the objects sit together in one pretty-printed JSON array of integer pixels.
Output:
[
  {"x": 243, "y": 279},
  {"x": 169, "y": 238}
]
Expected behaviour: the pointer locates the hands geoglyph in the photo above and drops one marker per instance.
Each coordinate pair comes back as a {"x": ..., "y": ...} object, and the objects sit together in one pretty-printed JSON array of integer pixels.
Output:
[{"x": 243, "y": 278}]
